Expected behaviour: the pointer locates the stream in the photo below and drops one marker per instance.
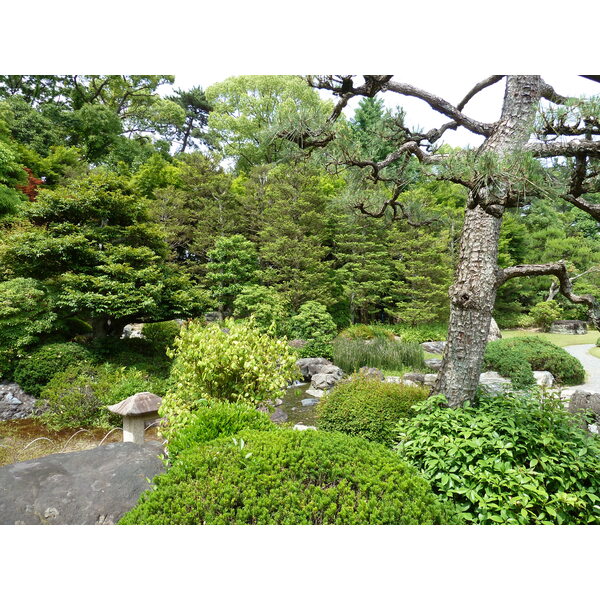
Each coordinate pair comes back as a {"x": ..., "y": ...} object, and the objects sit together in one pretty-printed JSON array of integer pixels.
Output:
[{"x": 299, "y": 406}]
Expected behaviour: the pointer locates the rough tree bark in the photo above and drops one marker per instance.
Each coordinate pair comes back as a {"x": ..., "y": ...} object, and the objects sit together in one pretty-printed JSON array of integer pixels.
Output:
[{"x": 473, "y": 293}]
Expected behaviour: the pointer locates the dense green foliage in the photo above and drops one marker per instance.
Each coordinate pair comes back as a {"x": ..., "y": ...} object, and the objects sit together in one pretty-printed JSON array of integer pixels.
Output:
[
  {"x": 76, "y": 397},
  {"x": 382, "y": 353},
  {"x": 313, "y": 323},
  {"x": 544, "y": 313},
  {"x": 35, "y": 370},
  {"x": 510, "y": 460},
  {"x": 216, "y": 420},
  {"x": 160, "y": 336},
  {"x": 368, "y": 407},
  {"x": 286, "y": 477},
  {"x": 232, "y": 362},
  {"x": 517, "y": 357}
]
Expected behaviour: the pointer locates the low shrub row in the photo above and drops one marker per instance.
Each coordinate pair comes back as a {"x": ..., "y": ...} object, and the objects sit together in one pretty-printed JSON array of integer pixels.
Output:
[{"x": 517, "y": 357}]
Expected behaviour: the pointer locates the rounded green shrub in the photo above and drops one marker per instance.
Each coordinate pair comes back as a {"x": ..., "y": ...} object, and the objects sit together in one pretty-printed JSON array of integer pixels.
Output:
[
  {"x": 545, "y": 313},
  {"x": 511, "y": 357},
  {"x": 211, "y": 422},
  {"x": 313, "y": 322},
  {"x": 513, "y": 459},
  {"x": 316, "y": 348},
  {"x": 160, "y": 336},
  {"x": 35, "y": 370},
  {"x": 286, "y": 477},
  {"x": 368, "y": 408}
]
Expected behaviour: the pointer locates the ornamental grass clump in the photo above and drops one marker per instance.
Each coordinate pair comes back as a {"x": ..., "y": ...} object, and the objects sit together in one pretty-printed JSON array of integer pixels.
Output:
[
  {"x": 368, "y": 408},
  {"x": 287, "y": 477},
  {"x": 394, "y": 355},
  {"x": 225, "y": 362},
  {"x": 513, "y": 459}
]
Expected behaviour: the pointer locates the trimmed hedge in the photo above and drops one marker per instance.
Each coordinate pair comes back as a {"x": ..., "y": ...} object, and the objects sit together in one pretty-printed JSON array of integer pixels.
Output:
[
  {"x": 35, "y": 370},
  {"x": 517, "y": 357},
  {"x": 368, "y": 408},
  {"x": 287, "y": 477}
]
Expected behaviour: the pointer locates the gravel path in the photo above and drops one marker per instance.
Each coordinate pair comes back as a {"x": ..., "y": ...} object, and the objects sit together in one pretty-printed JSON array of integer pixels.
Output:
[{"x": 590, "y": 363}]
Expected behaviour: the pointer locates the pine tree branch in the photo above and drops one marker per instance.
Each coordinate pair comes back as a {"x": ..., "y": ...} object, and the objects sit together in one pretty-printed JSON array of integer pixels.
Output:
[
  {"x": 559, "y": 270},
  {"x": 564, "y": 148}
]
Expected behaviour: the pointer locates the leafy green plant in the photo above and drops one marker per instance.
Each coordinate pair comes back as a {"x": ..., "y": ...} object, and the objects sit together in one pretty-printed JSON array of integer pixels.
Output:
[
  {"x": 232, "y": 362},
  {"x": 216, "y": 420},
  {"x": 76, "y": 396},
  {"x": 351, "y": 355},
  {"x": 545, "y": 313},
  {"x": 267, "y": 306},
  {"x": 288, "y": 477},
  {"x": 316, "y": 348},
  {"x": 430, "y": 332},
  {"x": 368, "y": 408},
  {"x": 313, "y": 322},
  {"x": 512, "y": 358},
  {"x": 366, "y": 332},
  {"x": 513, "y": 459},
  {"x": 35, "y": 370},
  {"x": 160, "y": 336}
]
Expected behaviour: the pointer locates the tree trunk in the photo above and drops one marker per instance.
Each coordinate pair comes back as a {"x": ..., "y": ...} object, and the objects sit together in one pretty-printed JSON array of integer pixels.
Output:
[{"x": 473, "y": 292}]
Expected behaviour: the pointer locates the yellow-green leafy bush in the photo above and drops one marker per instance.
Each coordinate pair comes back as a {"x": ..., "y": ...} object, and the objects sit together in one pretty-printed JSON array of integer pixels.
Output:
[
  {"x": 228, "y": 362},
  {"x": 287, "y": 477}
]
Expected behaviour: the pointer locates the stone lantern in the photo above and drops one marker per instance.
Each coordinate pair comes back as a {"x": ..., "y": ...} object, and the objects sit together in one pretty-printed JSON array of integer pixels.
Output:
[{"x": 136, "y": 410}]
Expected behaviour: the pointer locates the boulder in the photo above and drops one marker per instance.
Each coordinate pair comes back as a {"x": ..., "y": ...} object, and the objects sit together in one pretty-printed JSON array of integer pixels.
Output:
[
  {"x": 312, "y": 366},
  {"x": 544, "y": 378},
  {"x": 435, "y": 364},
  {"x": 15, "y": 403},
  {"x": 309, "y": 401},
  {"x": 494, "y": 333},
  {"x": 132, "y": 331},
  {"x": 416, "y": 377},
  {"x": 301, "y": 427},
  {"x": 91, "y": 487},
  {"x": 429, "y": 379},
  {"x": 393, "y": 379},
  {"x": 278, "y": 415},
  {"x": 211, "y": 317},
  {"x": 434, "y": 347},
  {"x": 371, "y": 373},
  {"x": 494, "y": 383},
  {"x": 571, "y": 327},
  {"x": 326, "y": 378},
  {"x": 586, "y": 403},
  {"x": 315, "y": 393}
]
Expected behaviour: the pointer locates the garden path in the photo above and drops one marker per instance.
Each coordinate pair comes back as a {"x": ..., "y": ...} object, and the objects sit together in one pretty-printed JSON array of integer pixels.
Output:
[{"x": 590, "y": 363}]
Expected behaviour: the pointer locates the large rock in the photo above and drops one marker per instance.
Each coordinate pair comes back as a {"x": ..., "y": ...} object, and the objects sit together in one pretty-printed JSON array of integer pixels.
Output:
[
  {"x": 312, "y": 366},
  {"x": 435, "y": 364},
  {"x": 132, "y": 331},
  {"x": 15, "y": 403},
  {"x": 570, "y": 327},
  {"x": 494, "y": 333},
  {"x": 434, "y": 347},
  {"x": 494, "y": 383},
  {"x": 586, "y": 403},
  {"x": 544, "y": 378},
  {"x": 92, "y": 487},
  {"x": 416, "y": 377},
  {"x": 326, "y": 378},
  {"x": 371, "y": 373}
]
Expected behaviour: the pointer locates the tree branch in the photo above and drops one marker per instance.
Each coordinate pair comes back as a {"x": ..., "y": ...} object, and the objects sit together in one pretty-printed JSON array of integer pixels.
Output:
[
  {"x": 442, "y": 106},
  {"x": 560, "y": 148},
  {"x": 559, "y": 270}
]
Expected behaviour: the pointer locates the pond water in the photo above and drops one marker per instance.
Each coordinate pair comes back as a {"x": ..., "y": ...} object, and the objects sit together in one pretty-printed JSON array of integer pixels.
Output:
[{"x": 299, "y": 406}]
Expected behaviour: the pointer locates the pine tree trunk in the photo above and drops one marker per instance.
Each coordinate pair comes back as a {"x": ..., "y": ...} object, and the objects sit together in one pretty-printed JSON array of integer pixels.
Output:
[{"x": 473, "y": 292}]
